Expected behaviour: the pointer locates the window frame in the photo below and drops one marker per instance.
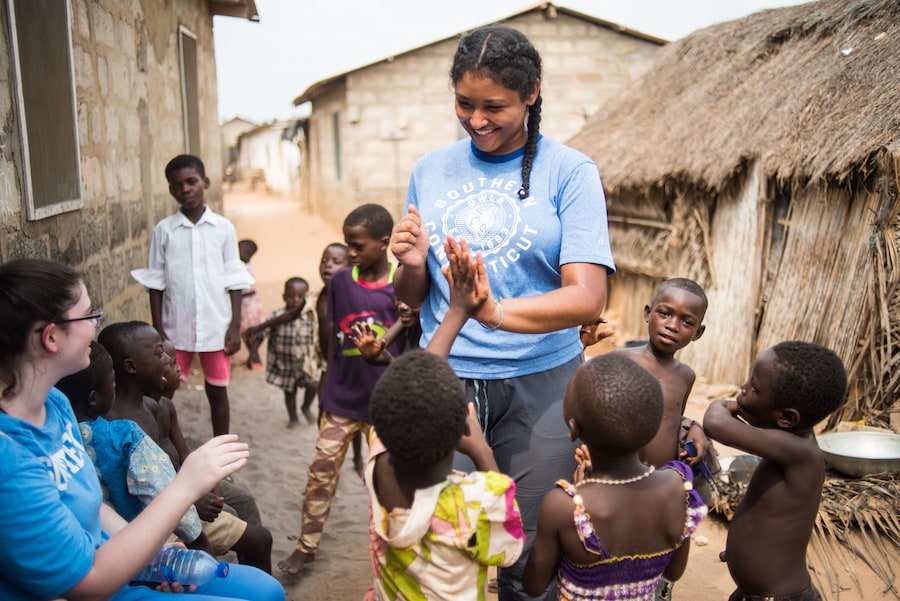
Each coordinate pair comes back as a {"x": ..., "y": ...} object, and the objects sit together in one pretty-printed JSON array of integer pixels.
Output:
[
  {"x": 336, "y": 134},
  {"x": 53, "y": 207},
  {"x": 191, "y": 128}
]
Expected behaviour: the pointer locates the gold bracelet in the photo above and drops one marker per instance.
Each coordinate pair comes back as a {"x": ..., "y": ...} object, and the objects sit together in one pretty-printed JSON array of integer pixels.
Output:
[{"x": 500, "y": 321}]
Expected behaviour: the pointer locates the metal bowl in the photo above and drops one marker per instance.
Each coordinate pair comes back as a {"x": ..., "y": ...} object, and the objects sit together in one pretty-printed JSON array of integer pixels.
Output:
[{"x": 861, "y": 453}]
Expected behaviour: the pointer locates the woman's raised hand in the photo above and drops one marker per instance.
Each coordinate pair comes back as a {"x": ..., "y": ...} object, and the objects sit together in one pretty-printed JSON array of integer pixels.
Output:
[
  {"x": 469, "y": 288},
  {"x": 409, "y": 240},
  {"x": 205, "y": 467}
]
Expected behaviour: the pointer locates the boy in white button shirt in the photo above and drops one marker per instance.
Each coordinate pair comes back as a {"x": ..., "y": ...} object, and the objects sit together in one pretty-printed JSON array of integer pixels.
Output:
[{"x": 195, "y": 278}]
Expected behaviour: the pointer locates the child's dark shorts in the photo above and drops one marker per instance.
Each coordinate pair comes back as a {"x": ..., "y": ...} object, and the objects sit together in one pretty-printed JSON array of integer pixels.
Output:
[{"x": 810, "y": 594}]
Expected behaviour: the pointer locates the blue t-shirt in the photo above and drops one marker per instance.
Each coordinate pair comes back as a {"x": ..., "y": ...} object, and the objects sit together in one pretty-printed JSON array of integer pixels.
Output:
[
  {"x": 465, "y": 193},
  {"x": 49, "y": 505}
]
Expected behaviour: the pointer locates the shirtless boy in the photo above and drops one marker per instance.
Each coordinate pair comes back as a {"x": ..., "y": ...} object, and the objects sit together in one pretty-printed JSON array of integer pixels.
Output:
[
  {"x": 792, "y": 387},
  {"x": 674, "y": 319}
]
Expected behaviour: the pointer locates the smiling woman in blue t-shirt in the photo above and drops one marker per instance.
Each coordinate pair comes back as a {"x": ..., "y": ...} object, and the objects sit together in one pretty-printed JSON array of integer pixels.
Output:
[
  {"x": 535, "y": 211},
  {"x": 59, "y": 539}
]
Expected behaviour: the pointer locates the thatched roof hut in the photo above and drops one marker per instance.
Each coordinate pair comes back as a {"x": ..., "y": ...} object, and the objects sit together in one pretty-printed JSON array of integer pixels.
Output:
[{"x": 761, "y": 157}]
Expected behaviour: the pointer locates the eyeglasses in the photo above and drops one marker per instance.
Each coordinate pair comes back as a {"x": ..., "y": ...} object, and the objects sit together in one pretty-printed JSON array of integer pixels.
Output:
[{"x": 96, "y": 316}]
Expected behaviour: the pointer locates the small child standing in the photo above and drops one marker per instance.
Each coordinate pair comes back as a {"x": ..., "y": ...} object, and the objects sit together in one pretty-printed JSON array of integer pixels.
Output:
[
  {"x": 434, "y": 531},
  {"x": 289, "y": 342},
  {"x": 674, "y": 320},
  {"x": 252, "y": 312},
  {"x": 364, "y": 292},
  {"x": 194, "y": 279},
  {"x": 334, "y": 257},
  {"x": 792, "y": 387},
  {"x": 614, "y": 534}
]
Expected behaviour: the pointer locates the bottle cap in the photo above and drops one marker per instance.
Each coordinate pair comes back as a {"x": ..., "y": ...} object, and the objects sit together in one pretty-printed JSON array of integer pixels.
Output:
[{"x": 222, "y": 569}]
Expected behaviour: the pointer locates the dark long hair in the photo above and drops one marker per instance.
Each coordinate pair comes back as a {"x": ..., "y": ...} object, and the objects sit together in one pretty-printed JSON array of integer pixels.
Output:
[
  {"x": 31, "y": 291},
  {"x": 507, "y": 57}
]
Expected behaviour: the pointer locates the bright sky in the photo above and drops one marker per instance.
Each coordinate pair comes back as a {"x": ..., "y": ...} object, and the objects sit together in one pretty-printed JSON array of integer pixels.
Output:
[{"x": 261, "y": 67}]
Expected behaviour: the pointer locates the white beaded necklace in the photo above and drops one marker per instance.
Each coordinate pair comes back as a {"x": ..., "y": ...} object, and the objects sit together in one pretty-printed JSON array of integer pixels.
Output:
[{"x": 650, "y": 470}]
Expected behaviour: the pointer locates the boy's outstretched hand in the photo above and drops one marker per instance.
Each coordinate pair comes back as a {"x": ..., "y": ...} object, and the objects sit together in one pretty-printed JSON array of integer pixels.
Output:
[
  {"x": 592, "y": 333},
  {"x": 366, "y": 341}
]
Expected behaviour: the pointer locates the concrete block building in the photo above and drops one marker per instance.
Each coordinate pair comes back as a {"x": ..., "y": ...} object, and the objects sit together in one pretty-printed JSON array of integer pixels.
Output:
[
  {"x": 95, "y": 97},
  {"x": 368, "y": 126}
]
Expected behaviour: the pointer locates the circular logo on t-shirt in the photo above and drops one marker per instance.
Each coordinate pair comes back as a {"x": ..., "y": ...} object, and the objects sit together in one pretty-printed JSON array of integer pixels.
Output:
[{"x": 487, "y": 220}]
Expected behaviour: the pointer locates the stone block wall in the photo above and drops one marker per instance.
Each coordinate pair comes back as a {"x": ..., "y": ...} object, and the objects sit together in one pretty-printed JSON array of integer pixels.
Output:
[{"x": 129, "y": 110}]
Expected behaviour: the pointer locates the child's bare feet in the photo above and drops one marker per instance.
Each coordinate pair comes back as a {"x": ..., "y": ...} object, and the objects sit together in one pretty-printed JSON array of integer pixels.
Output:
[
  {"x": 295, "y": 562},
  {"x": 309, "y": 395},
  {"x": 293, "y": 423}
]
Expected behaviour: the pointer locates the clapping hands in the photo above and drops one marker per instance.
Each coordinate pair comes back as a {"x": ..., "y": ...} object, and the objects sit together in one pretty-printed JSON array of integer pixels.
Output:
[{"x": 469, "y": 286}]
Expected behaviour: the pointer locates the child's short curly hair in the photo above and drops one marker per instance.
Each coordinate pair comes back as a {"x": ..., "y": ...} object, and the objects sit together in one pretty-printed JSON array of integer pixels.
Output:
[
  {"x": 682, "y": 284},
  {"x": 418, "y": 409},
  {"x": 185, "y": 161},
  {"x": 374, "y": 218},
  {"x": 617, "y": 403},
  {"x": 810, "y": 378}
]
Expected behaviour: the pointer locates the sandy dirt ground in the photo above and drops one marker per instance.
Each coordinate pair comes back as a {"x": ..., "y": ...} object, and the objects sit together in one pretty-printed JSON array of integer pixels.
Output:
[{"x": 290, "y": 243}]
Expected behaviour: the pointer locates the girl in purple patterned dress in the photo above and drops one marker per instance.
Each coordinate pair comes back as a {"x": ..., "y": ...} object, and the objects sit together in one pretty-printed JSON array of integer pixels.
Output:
[{"x": 616, "y": 532}]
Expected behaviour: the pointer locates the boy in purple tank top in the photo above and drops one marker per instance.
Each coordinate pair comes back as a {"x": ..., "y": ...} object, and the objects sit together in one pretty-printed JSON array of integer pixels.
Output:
[{"x": 362, "y": 293}]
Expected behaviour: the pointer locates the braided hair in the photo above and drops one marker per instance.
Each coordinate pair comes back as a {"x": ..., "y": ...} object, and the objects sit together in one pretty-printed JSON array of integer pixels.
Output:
[{"x": 505, "y": 55}]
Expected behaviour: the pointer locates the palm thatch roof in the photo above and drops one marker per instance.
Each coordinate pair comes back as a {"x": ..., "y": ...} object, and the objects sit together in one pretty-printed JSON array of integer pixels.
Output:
[
  {"x": 812, "y": 90},
  {"x": 761, "y": 157}
]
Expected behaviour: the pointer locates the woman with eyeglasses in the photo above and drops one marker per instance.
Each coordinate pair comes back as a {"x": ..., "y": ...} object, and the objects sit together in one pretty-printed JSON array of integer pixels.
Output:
[{"x": 57, "y": 537}]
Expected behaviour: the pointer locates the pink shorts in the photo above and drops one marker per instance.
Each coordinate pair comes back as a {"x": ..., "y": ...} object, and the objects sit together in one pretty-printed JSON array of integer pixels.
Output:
[{"x": 216, "y": 366}]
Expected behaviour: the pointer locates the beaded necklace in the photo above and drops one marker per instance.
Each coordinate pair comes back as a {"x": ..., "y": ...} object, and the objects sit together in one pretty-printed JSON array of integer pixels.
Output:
[{"x": 650, "y": 470}]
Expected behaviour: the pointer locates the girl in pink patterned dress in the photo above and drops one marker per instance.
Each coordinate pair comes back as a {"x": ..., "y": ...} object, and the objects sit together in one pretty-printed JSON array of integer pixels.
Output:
[
  {"x": 252, "y": 312},
  {"x": 434, "y": 531}
]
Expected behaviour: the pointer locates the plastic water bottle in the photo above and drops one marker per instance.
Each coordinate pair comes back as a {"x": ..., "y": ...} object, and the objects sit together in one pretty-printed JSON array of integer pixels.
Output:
[{"x": 185, "y": 566}]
